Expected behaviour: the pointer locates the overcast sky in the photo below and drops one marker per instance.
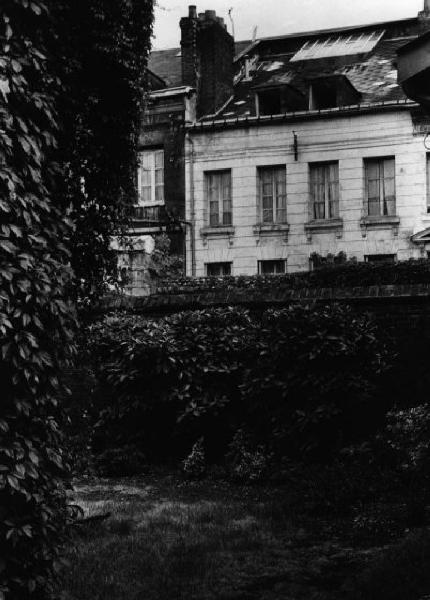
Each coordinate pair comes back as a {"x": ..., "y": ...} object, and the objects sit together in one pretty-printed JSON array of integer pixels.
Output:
[{"x": 276, "y": 17}]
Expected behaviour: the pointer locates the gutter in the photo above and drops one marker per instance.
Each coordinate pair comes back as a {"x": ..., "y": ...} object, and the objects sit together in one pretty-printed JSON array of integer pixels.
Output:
[
  {"x": 304, "y": 115},
  {"x": 191, "y": 221}
]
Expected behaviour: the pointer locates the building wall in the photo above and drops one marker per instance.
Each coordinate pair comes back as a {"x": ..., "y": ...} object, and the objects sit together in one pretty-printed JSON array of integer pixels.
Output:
[{"x": 346, "y": 139}]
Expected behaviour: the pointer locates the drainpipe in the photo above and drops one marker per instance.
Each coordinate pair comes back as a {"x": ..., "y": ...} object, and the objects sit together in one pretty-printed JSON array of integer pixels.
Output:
[{"x": 192, "y": 220}]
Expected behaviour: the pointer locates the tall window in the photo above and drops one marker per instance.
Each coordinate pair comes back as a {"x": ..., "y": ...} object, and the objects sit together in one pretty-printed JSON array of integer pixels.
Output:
[
  {"x": 325, "y": 190},
  {"x": 151, "y": 177},
  {"x": 272, "y": 194},
  {"x": 272, "y": 267},
  {"x": 218, "y": 269},
  {"x": 218, "y": 194},
  {"x": 380, "y": 186}
]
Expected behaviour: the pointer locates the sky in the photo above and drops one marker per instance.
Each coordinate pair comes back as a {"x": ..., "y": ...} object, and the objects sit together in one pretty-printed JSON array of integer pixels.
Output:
[{"x": 277, "y": 17}]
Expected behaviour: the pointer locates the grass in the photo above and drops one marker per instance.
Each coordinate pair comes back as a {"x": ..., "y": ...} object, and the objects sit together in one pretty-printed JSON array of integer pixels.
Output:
[{"x": 170, "y": 540}]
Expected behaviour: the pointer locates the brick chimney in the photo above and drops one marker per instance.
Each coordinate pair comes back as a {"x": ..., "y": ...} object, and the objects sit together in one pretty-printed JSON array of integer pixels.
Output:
[
  {"x": 207, "y": 59},
  {"x": 425, "y": 13}
]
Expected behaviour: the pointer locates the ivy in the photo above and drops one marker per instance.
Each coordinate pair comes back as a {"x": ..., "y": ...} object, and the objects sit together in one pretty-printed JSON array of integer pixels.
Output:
[{"x": 69, "y": 131}]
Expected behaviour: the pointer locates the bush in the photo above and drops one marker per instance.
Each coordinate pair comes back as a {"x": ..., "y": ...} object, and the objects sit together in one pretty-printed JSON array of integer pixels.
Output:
[
  {"x": 300, "y": 380},
  {"x": 246, "y": 463},
  {"x": 194, "y": 466}
]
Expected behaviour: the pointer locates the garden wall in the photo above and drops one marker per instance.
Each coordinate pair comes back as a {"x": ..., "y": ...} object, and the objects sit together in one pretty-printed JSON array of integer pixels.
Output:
[{"x": 397, "y": 305}]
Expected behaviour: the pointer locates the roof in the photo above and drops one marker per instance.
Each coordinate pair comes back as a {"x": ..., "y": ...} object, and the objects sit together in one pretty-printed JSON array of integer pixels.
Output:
[
  {"x": 167, "y": 63},
  {"x": 372, "y": 71}
]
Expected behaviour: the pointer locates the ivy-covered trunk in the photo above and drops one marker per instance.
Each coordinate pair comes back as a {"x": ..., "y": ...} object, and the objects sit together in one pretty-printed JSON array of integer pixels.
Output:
[
  {"x": 62, "y": 179},
  {"x": 36, "y": 321}
]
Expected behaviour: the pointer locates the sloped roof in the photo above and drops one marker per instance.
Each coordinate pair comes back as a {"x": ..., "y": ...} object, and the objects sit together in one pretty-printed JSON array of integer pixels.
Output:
[
  {"x": 167, "y": 63},
  {"x": 373, "y": 73}
]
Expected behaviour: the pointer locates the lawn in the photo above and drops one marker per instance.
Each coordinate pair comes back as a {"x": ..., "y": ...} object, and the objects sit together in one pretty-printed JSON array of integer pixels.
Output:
[{"x": 169, "y": 539}]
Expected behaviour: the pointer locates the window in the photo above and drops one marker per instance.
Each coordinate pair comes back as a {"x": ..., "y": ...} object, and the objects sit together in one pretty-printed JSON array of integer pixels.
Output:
[
  {"x": 151, "y": 177},
  {"x": 272, "y": 267},
  {"x": 339, "y": 45},
  {"x": 380, "y": 258},
  {"x": 272, "y": 183},
  {"x": 218, "y": 269},
  {"x": 324, "y": 178},
  {"x": 380, "y": 186},
  {"x": 218, "y": 193},
  {"x": 269, "y": 102}
]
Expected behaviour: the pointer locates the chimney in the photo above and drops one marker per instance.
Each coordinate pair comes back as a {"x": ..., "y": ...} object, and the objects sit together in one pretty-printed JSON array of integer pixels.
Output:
[
  {"x": 207, "y": 59},
  {"x": 425, "y": 14}
]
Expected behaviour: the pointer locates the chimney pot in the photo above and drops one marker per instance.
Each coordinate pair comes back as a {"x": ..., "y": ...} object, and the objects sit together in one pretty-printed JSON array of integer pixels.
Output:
[
  {"x": 192, "y": 11},
  {"x": 210, "y": 15},
  {"x": 201, "y": 16},
  {"x": 427, "y": 6}
]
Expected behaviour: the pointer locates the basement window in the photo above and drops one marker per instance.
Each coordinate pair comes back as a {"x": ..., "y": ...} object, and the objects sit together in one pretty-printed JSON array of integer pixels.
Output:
[
  {"x": 381, "y": 258},
  {"x": 272, "y": 267},
  {"x": 218, "y": 269}
]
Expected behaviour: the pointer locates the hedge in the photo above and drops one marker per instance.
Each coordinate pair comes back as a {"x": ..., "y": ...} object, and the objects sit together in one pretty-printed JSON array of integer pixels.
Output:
[
  {"x": 348, "y": 274},
  {"x": 300, "y": 380}
]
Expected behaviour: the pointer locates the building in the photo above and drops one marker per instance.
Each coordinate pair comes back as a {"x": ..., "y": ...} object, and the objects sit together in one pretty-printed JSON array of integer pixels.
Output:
[
  {"x": 257, "y": 156},
  {"x": 317, "y": 151},
  {"x": 184, "y": 84}
]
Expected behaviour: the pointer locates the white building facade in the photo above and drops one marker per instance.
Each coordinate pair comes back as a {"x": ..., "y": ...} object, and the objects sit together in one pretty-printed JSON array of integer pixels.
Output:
[{"x": 351, "y": 181}]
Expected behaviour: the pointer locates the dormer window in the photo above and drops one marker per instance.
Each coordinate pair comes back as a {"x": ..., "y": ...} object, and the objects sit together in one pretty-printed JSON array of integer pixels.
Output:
[
  {"x": 331, "y": 91},
  {"x": 269, "y": 102},
  {"x": 278, "y": 99}
]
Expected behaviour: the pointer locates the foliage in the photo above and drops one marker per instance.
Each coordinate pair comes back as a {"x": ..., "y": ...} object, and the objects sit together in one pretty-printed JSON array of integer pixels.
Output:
[
  {"x": 341, "y": 275},
  {"x": 165, "y": 265},
  {"x": 246, "y": 462},
  {"x": 60, "y": 122},
  {"x": 164, "y": 383},
  {"x": 127, "y": 460},
  {"x": 102, "y": 62},
  {"x": 194, "y": 466},
  {"x": 36, "y": 322},
  {"x": 319, "y": 261},
  {"x": 408, "y": 433}
]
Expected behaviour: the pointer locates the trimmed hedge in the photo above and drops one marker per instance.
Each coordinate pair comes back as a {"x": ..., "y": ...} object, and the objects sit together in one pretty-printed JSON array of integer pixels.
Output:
[
  {"x": 348, "y": 274},
  {"x": 300, "y": 380}
]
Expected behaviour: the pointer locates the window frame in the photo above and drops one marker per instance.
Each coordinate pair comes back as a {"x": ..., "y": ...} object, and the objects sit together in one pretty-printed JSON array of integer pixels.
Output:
[
  {"x": 222, "y": 219},
  {"x": 383, "y": 198},
  {"x": 153, "y": 184},
  {"x": 273, "y": 261},
  {"x": 278, "y": 214},
  {"x": 330, "y": 213}
]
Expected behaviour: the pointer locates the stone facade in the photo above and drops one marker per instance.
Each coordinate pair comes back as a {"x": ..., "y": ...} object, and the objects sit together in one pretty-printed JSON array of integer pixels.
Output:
[{"x": 386, "y": 131}]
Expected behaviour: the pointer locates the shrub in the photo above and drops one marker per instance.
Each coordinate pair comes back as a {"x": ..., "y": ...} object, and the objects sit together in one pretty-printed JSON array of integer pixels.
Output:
[
  {"x": 246, "y": 463},
  {"x": 127, "y": 460},
  {"x": 194, "y": 466}
]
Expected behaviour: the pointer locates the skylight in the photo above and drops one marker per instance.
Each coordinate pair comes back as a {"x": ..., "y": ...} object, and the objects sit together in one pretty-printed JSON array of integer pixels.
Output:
[{"x": 344, "y": 45}]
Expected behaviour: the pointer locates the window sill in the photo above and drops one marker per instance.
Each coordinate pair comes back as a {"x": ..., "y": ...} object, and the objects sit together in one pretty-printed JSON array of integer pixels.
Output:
[
  {"x": 324, "y": 226},
  {"x": 380, "y": 222},
  {"x": 219, "y": 231},
  {"x": 263, "y": 229}
]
